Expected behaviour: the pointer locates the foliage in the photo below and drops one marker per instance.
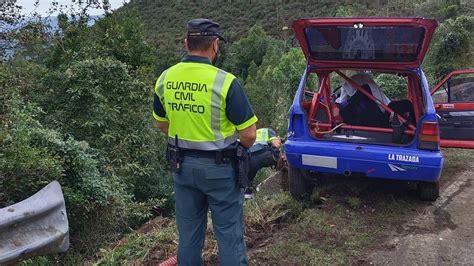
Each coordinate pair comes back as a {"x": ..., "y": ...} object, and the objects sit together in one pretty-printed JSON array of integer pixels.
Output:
[
  {"x": 79, "y": 112},
  {"x": 452, "y": 47},
  {"x": 76, "y": 102},
  {"x": 139, "y": 247},
  {"x": 395, "y": 87},
  {"x": 98, "y": 101},
  {"x": 119, "y": 36},
  {"x": 271, "y": 87},
  {"x": 24, "y": 168},
  {"x": 33, "y": 155},
  {"x": 250, "y": 48}
]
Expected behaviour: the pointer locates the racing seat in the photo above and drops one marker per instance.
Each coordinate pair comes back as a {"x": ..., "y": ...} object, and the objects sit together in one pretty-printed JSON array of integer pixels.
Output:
[
  {"x": 405, "y": 109},
  {"x": 360, "y": 110}
]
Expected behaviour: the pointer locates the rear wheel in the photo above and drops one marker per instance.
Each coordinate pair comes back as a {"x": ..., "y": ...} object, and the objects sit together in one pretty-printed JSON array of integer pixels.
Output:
[
  {"x": 428, "y": 191},
  {"x": 300, "y": 186}
]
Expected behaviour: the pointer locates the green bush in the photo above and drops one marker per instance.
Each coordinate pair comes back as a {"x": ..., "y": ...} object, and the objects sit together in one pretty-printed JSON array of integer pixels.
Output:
[
  {"x": 271, "y": 87},
  {"x": 249, "y": 50},
  {"x": 395, "y": 87},
  {"x": 452, "y": 47},
  {"x": 32, "y": 156},
  {"x": 98, "y": 101}
]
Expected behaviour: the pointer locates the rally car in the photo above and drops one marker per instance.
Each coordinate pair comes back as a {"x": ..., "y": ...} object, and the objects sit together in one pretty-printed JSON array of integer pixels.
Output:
[{"x": 342, "y": 122}]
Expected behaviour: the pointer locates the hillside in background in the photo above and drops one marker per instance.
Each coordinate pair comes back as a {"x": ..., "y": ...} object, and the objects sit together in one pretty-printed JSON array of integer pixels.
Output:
[
  {"x": 76, "y": 101},
  {"x": 254, "y": 28},
  {"x": 164, "y": 19}
]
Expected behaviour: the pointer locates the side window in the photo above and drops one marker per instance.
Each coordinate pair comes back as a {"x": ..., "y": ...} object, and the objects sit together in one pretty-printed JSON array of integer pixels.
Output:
[
  {"x": 462, "y": 89},
  {"x": 459, "y": 88},
  {"x": 441, "y": 95}
]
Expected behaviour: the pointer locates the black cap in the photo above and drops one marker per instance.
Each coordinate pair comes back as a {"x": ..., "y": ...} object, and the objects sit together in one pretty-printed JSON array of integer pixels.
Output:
[{"x": 204, "y": 27}]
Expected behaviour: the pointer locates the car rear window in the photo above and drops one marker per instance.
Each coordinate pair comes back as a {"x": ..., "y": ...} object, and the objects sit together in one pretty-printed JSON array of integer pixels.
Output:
[{"x": 364, "y": 43}]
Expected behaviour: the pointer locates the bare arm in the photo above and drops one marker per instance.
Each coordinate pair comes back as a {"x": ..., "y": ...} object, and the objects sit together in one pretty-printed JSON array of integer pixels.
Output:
[
  {"x": 247, "y": 136},
  {"x": 163, "y": 126}
]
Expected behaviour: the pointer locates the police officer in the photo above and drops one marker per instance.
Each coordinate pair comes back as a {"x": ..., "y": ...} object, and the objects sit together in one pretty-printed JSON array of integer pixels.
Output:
[
  {"x": 265, "y": 152},
  {"x": 204, "y": 111}
]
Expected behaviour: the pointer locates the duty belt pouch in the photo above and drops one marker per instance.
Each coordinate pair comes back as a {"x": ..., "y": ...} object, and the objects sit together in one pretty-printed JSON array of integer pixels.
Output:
[
  {"x": 175, "y": 158},
  {"x": 242, "y": 167}
]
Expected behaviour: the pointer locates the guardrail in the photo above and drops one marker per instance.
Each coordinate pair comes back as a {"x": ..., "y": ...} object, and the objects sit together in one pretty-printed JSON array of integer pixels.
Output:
[{"x": 35, "y": 226}]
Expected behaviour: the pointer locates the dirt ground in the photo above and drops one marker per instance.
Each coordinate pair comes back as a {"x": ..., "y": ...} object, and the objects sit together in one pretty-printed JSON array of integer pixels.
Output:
[
  {"x": 429, "y": 233},
  {"x": 349, "y": 220},
  {"x": 442, "y": 234}
]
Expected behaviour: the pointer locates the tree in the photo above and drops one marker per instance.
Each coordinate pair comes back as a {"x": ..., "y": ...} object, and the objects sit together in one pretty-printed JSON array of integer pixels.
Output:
[
  {"x": 452, "y": 46},
  {"x": 32, "y": 155},
  {"x": 79, "y": 111},
  {"x": 251, "y": 48},
  {"x": 393, "y": 86},
  {"x": 271, "y": 87}
]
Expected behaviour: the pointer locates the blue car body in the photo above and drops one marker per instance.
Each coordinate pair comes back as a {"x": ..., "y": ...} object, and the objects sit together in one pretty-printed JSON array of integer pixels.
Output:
[
  {"x": 373, "y": 160},
  {"x": 380, "y": 160}
]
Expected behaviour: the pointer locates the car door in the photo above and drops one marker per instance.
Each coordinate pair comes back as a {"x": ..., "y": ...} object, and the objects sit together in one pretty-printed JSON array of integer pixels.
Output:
[{"x": 453, "y": 98}]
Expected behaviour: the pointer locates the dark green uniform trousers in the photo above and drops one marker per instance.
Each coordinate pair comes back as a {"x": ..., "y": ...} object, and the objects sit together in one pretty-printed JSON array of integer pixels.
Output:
[{"x": 203, "y": 184}]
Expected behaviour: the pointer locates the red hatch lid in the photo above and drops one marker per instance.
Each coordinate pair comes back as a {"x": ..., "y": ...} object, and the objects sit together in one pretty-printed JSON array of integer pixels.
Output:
[{"x": 355, "y": 42}]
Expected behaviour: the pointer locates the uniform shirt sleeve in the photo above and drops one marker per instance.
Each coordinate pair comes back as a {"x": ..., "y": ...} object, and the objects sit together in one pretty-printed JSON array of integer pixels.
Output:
[
  {"x": 238, "y": 109},
  {"x": 271, "y": 135},
  {"x": 159, "y": 112}
]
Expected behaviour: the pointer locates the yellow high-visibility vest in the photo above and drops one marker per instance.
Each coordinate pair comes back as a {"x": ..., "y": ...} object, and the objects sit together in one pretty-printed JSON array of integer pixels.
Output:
[
  {"x": 194, "y": 98},
  {"x": 263, "y": 136}
]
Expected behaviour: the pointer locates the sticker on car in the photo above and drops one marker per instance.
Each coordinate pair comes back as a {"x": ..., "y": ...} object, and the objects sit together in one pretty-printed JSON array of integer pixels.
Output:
[
  {"x": 395, "y": 168},
  {"x": 403, "y": 158},
  {"x": 401, "y": 168}
]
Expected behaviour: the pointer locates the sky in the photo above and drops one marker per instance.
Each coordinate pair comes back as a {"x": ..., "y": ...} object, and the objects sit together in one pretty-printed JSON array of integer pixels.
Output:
[{"x": 42, "y": 9}]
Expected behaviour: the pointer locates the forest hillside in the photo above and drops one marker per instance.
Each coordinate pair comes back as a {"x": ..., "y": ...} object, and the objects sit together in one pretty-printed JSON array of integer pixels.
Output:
[{"x": 76, "y": 101}]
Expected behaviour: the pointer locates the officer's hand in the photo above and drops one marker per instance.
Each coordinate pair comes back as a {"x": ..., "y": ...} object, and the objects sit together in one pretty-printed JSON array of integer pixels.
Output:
[{"x": 276, "y": 142}]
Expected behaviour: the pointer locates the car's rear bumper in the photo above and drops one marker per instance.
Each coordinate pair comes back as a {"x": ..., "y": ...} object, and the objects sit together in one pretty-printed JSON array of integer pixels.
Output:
[{"x": 371, "y": 160}]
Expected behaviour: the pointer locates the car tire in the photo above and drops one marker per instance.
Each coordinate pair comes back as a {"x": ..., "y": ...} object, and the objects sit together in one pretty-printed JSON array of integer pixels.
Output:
[
  {"x": 428, "y": 191},
  {"x": 299, "y": 185}
]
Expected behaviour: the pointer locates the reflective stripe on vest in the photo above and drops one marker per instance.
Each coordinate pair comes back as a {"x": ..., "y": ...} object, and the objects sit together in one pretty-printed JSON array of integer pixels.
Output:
[
  {"x": 262, "y": 136},
  {"x": 194, "y": 98}
]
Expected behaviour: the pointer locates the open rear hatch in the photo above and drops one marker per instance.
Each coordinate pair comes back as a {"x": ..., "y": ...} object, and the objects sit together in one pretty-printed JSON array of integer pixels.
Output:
[
  {"x": 392, "y": 43},
  {"x": 395, "y": 45}
]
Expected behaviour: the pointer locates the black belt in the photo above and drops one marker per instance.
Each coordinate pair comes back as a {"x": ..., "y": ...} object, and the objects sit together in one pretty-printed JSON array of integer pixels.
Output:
[
  {"x": 220, "y": 156},
  {"x": 209, "y": 154}
]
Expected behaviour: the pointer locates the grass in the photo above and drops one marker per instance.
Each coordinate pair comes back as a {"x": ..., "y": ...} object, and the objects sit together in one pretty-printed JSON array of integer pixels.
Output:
[
  {"x": 345, "y": 218},
  {"x": 340, "y": 228},
  {"x": 141, "y": 247},
  {"x": 263, "y": 217},
  {"x": 263, "y": 174},
  {"x": 456, "y": 160},
  {"x": 356, "y": 216}
]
